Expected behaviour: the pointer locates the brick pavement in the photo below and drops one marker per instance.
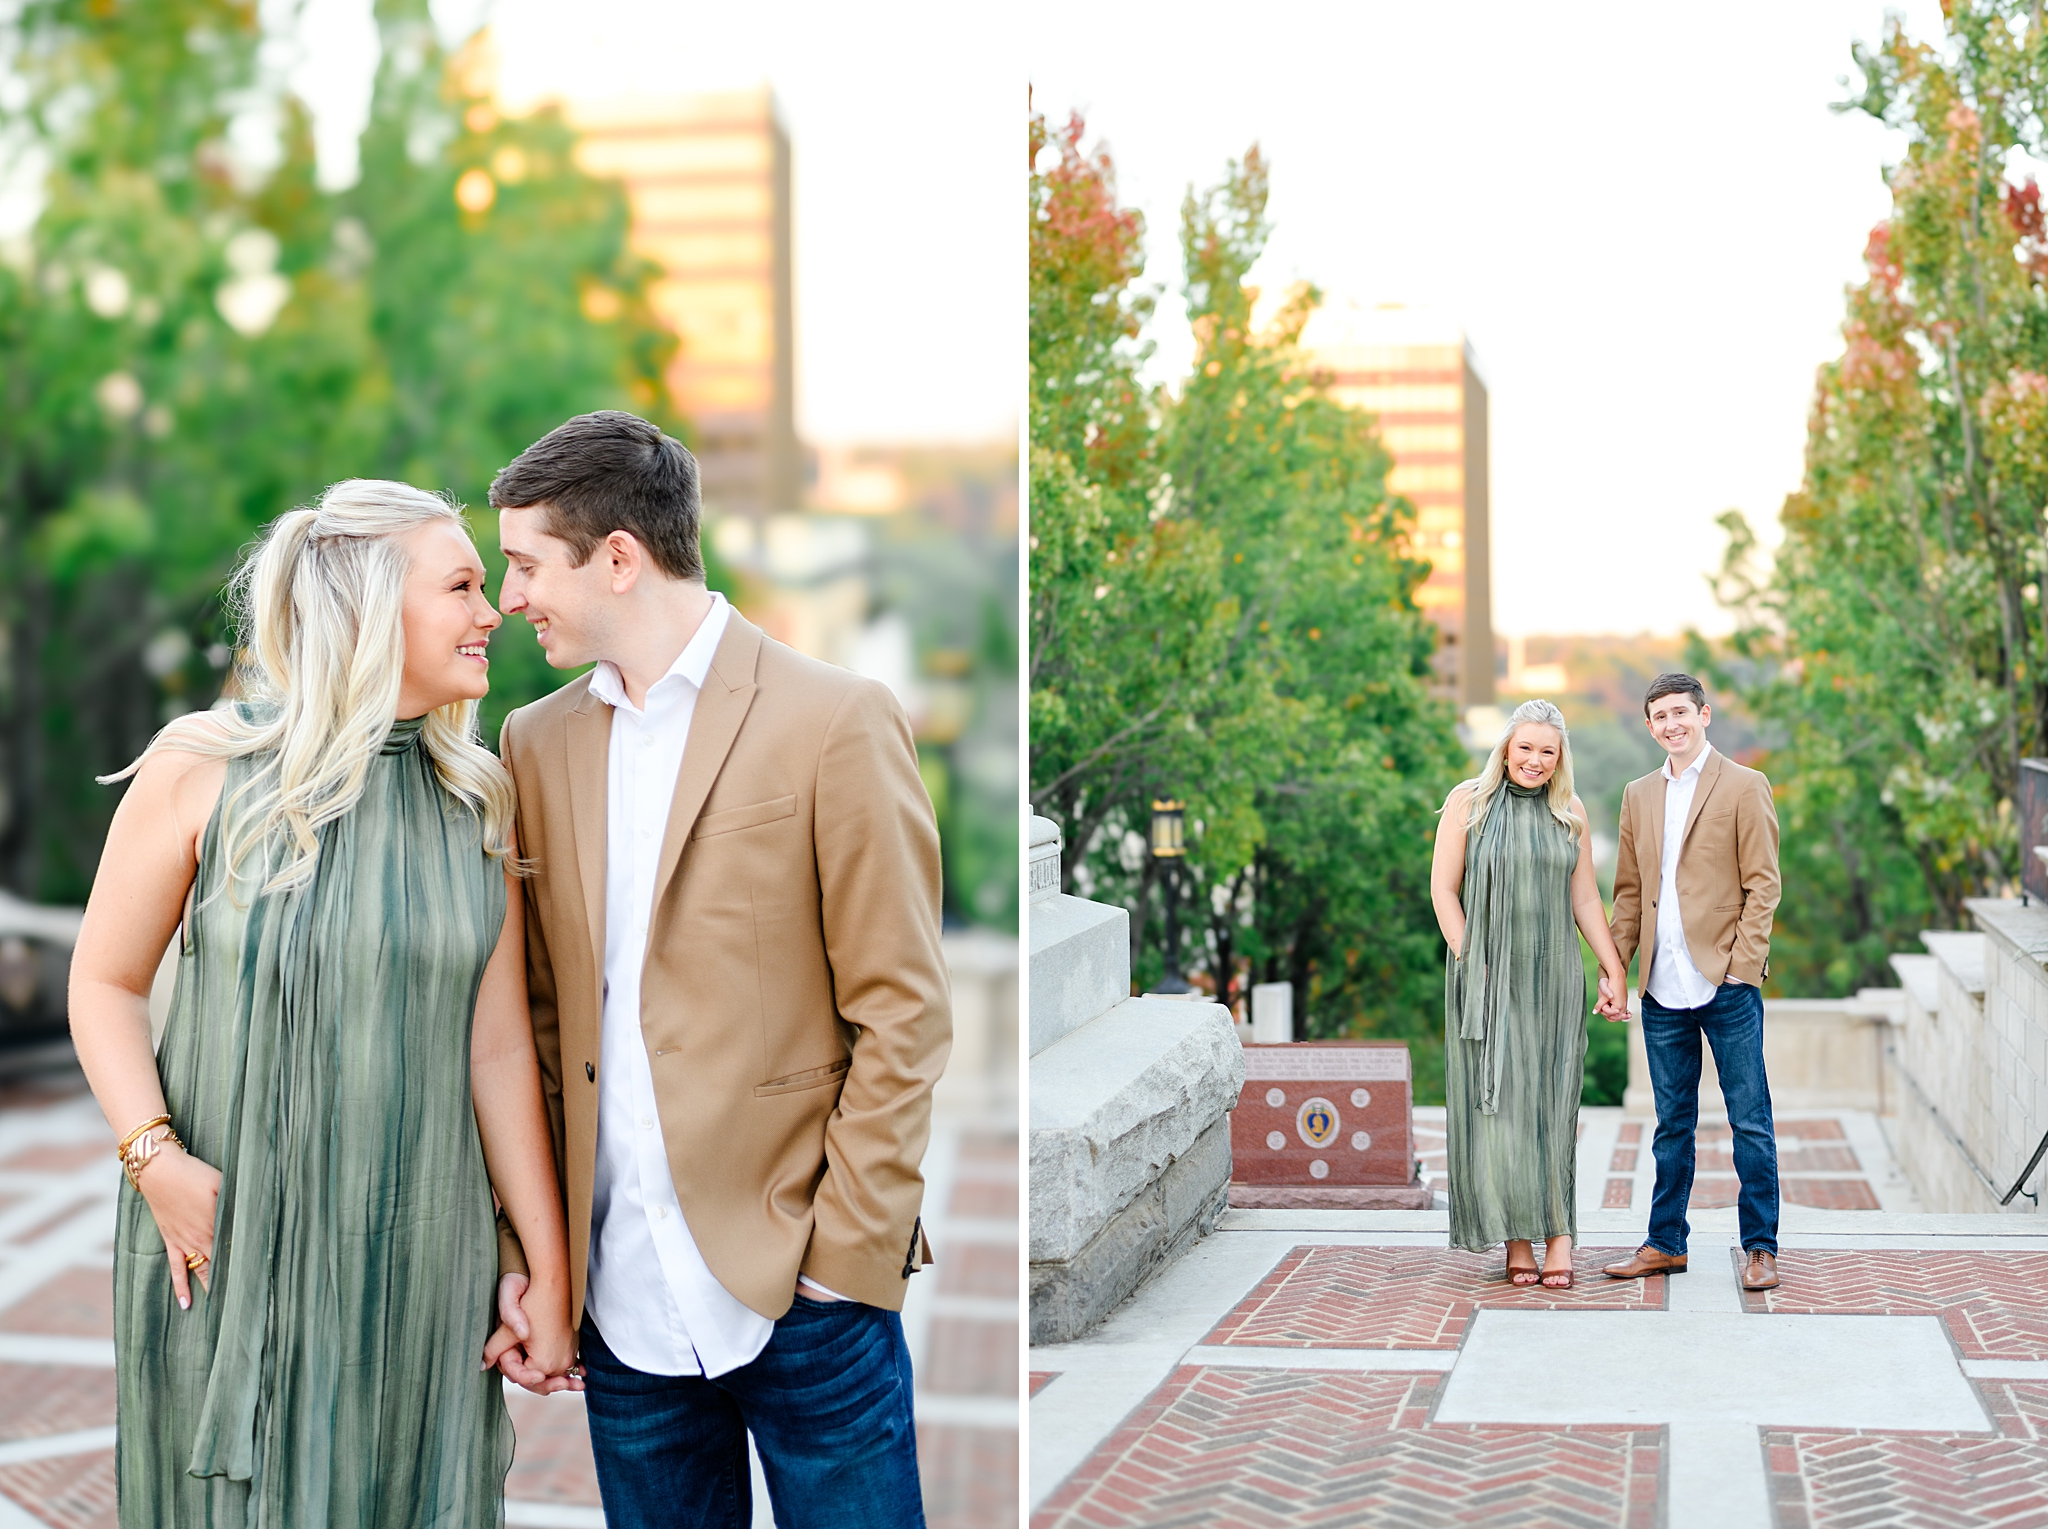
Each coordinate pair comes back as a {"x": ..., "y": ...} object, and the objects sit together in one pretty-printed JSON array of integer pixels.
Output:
[
  {"x": 1995, "y": 1305},
  {"x": 1349, "y": 1340},
  {"x": 1409, "y": 1298},
  {"x": 1906, "y": 1480},
  {"x": 57, "y": 1191},
  {"x": 1262, "y": 1448}
]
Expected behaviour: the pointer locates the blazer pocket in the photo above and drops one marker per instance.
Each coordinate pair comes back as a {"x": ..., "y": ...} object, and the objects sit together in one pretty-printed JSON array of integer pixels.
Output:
[
  {"x": 810, "y": 1077},
  {"x": 735, "y": 818}
]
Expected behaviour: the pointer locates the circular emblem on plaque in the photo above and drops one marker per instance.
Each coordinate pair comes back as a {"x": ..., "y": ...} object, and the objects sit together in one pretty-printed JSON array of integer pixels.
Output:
[
  {"x": 1316, "y": 1122},
  {"x": 1318, "y": 1169},
  {"x": 1360, "y": 1140},
  {"x": 1276, "y": 1139},
  {"x": 1361, "y": 1097},
  {"x": 1275, "y": 1098}
]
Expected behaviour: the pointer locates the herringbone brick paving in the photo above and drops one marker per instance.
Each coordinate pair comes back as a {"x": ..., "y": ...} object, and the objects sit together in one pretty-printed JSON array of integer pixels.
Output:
[
  {"x": 1909, "y": 1480},
  {"x": 1348, "y": 1297},
  {"x": 1994, "y": 1304},
  {"x": 1794, "y": 1156},
  {"x": 1718, "y": 1191},
  {"x": 67, "y": 1492},
  {"x": 1264, "y": 1449}
]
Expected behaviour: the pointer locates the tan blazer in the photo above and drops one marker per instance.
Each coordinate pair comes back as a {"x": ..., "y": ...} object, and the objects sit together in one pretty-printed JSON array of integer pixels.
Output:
[
  {"x": 794, "y": 1003},
  {"x": 1727, "y": 871}
]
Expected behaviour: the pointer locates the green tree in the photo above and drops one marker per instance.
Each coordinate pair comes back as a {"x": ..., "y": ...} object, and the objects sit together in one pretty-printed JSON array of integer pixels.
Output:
[
  {"x": 1222, "y": 610},
  {"x": 1896, "y": 644},
  {"x": 187, "y": 348}
]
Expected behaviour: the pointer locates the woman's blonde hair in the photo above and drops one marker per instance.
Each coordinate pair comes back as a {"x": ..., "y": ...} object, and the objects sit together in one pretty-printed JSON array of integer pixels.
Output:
[
  {"x": 318, "y": 607},
  {"x": 1485, "y": 786}
]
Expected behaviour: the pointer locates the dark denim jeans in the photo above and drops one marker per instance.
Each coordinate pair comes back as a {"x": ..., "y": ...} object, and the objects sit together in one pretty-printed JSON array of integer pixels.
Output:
[
  {"x": 828, "y": 1402},
  {"x": 1733, "y": 1023}
]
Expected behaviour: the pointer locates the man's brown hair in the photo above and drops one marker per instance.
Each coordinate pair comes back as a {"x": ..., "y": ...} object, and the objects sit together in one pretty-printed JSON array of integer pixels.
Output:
[
  {"x": 605, "y": 472},
  {"x": 1662, "y": 685}
]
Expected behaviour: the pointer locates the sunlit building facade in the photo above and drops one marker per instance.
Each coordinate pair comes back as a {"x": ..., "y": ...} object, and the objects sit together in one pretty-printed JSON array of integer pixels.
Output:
[
  {"x": 1417, "y": 374},
  {"x": 708, "y": 177}
]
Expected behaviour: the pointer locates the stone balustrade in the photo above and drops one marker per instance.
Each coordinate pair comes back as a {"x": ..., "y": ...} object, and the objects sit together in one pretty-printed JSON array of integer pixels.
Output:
[{"x": 1130, "y": 1102}]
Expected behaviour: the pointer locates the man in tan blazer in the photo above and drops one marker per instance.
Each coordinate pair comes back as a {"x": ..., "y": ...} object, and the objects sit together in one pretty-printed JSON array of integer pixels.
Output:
[
  {"x": 738, "y": 1001},
  {"x": 1695, "y": 887}
]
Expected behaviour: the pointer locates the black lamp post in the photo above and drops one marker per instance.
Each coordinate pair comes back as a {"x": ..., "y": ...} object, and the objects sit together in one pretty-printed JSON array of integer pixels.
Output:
[{"x": 1169, "y": 847}]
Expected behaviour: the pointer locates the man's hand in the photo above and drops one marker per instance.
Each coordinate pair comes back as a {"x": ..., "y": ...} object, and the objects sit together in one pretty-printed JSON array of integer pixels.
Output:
[
  {"x": 1613, "y": 1004},
  {"x": 506, "y": 1349}
]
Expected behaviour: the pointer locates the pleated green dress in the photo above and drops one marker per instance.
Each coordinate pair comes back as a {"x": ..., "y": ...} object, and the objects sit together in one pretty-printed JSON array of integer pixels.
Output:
[
  {"x": 1515, "y": 1031},
  {"x": 317, "y": 1053}
]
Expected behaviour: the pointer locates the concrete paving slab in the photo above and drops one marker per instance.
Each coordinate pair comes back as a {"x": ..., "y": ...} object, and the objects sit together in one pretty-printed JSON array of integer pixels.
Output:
[
  {"x": 2006, "y": 1369},
  {"x": 1715, "y": 1478},
  {"x": 1560, "y": 1368},
  {"x": 1709, "y": 1282}
]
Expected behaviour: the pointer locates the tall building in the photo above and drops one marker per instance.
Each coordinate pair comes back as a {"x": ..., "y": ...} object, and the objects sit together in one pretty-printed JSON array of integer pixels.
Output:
[
  {"x": 709, "y": 183},
  {"x": 1417, "y": 373}
]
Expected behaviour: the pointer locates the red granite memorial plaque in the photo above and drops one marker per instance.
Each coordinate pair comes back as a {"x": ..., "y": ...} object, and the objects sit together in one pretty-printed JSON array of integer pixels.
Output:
[{"x": 1323, "y": 1115}]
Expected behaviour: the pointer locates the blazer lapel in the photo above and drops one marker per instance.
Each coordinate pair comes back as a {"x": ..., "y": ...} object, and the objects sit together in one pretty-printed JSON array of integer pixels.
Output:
[
  {"x": 721, "y": 706},
  {"x": 1710, "y": 772},
  {"x": 1653, "y": 809},
  {"x": 588, "y": 746}
]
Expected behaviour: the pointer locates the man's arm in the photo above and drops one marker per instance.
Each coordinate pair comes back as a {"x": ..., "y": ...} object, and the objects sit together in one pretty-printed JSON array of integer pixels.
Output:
[
  {"x": 1756, "y": 855},
  {"x": 1627, "y": 922},
  {"x": 877, "y": 852}
]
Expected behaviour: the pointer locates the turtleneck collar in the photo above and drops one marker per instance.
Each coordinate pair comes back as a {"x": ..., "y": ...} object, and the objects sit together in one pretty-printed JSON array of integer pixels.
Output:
[{"x": 403, "y": 735}]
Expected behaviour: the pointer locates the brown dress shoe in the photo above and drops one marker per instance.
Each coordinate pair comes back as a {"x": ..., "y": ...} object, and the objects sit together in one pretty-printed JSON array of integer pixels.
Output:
[
  {"x": 1759, "y": 1270},
  {"x": 1647, "y": 1260}
]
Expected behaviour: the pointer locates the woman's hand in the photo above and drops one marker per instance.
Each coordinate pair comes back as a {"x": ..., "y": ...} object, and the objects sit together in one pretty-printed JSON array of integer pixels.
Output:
[
  {"x": 1613, "y": 1004},
  {"x": 511, "y": 1349},
  {"x": 550, "y": 1346},
  {"x": 183, "y": 1193}
]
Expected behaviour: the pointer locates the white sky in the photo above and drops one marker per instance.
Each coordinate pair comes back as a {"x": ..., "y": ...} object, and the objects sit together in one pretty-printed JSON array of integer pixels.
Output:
[
  {"x": 906, "y": 126},
  {"x": 1644, "y": 216}
]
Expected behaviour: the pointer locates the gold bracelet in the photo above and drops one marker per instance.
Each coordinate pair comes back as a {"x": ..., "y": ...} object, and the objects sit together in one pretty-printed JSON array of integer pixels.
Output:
[
  {"x": 144, "y": 1152},
  {"x": 129, "y": 1140}
]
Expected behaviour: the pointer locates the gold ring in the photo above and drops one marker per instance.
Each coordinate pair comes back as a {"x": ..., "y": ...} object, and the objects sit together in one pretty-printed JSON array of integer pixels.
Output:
[{"x": 196, "y": 1260}]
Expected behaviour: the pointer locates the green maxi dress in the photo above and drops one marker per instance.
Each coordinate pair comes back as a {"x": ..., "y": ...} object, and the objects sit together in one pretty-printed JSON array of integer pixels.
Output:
[
  {"x": 1515, "y": 1031},
  {"x": 317, "y": 1053}
]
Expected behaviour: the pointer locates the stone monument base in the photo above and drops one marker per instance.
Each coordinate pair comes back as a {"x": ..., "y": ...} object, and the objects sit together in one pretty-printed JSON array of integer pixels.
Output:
[{"x": 1331, "y": 1197}]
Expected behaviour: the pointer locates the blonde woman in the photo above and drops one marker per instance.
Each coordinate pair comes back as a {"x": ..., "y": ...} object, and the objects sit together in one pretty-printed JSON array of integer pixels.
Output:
[
  {"x": 1513, "y": 873},
  {"x": 306, "y": 1251}
]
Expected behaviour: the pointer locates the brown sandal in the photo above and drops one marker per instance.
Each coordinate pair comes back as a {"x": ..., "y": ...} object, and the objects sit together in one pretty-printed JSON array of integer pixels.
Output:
[
  {"x": 1550, "y": 1274},
  {"x": 1516, "y": 1271}
]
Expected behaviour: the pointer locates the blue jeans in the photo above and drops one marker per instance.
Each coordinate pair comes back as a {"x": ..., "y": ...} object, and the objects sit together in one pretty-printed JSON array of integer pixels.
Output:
[
  {"x": 828, "y": 1402},
  {"x": 1733, "y": 1023}
]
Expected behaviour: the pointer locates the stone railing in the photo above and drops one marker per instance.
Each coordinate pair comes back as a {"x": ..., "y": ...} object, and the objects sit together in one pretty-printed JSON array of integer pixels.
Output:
[
  {"x": 1971, "y": 1059},
  {"x": 1130, "y": 1102}
]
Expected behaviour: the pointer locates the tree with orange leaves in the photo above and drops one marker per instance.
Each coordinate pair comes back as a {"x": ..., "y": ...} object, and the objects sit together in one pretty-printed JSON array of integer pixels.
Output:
[{"x": 1897, "y": 644}]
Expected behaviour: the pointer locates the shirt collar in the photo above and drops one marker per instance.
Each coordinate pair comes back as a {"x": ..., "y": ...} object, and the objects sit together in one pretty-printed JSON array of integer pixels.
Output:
[
  {"x": 1692, "y": 769},
  {"x": 692, "y": 664}
]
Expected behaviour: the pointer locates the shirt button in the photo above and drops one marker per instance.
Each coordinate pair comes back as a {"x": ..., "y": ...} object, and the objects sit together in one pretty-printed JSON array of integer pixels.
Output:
[
  {"x": 646, "y": 1124},
  {"x": 661, "y": 1213},
  {"x": 646, "y": 833},
  {"x": 647, "y": 740}
]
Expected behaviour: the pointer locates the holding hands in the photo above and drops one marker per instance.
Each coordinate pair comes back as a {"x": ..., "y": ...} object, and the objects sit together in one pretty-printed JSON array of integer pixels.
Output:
[
  {"x": 536, "y": 1351},
  {"x": 1613, "y": 1004}
]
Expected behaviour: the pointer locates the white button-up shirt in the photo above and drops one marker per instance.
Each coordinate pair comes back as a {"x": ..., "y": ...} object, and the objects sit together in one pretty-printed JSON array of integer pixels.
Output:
[
  {"x": 1675, "y": 981},
  {"x": 658, "y": 1304}
]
